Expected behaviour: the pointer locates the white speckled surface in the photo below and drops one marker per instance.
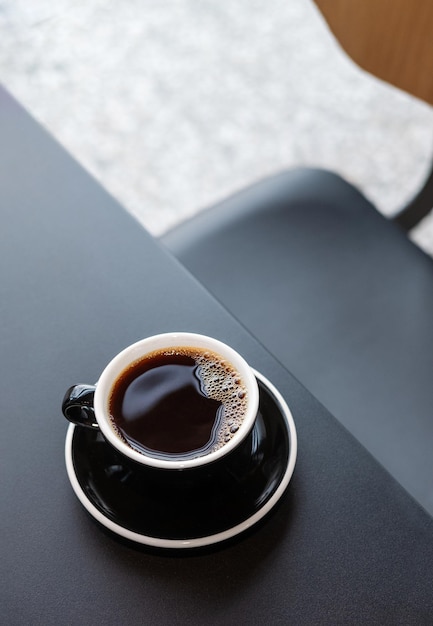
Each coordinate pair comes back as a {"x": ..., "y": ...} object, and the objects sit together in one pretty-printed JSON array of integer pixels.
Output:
[{"x": 173, "y": 104}]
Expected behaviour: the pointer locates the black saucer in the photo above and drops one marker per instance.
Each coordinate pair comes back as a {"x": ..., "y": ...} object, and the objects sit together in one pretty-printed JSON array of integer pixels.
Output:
[{"x": 167, "y": 509}]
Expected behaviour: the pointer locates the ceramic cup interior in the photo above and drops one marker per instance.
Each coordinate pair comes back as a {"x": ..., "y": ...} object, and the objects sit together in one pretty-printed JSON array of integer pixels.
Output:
[{"x": 175, "y": 341}]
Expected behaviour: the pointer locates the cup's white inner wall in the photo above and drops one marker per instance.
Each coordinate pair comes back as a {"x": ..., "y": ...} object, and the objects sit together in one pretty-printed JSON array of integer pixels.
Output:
[{"x": 172, "y": 340}]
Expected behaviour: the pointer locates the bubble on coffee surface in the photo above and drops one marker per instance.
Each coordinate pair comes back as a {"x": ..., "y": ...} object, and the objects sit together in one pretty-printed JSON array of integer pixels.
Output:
[{"x": 220, "y": 381}]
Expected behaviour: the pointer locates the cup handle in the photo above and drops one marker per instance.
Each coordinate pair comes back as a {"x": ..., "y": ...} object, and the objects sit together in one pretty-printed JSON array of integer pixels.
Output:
[{"x": 77, "y": 406}]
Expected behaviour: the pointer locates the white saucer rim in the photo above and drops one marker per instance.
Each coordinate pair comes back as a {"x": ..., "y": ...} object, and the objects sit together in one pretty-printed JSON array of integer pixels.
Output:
[{"x": 198, "y": 542}]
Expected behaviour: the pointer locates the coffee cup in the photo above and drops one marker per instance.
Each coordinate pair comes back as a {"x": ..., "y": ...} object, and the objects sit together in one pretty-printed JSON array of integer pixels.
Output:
[{"x": 171, "y": 401}]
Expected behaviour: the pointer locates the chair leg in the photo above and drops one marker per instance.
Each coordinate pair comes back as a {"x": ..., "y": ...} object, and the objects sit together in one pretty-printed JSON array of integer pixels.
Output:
[{"x": 418, "y": 207}]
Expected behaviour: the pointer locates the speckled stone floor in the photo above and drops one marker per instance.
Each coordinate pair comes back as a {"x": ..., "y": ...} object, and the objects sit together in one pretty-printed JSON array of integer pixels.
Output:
[{"x": 174, "y": 104}]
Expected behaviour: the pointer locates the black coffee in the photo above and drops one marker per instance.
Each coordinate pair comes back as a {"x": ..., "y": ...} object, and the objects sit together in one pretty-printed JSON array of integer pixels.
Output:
[{"x": 179, "y": 402}]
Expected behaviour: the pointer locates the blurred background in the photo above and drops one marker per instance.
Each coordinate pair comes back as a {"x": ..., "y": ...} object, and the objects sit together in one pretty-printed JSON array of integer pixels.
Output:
[{"x": 174, "y": 104}]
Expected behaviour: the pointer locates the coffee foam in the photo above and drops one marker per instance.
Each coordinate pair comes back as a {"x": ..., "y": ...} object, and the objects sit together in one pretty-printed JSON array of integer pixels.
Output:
[{"x": 222, "y": 382}]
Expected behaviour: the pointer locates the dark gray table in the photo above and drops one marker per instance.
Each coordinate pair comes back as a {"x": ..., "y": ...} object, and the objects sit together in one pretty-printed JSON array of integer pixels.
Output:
[{"x": 79, "y": 280}]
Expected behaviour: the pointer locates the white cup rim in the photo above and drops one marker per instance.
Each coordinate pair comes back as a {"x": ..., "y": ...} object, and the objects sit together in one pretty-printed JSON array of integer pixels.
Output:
[{"x": 173, "y": 340}]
